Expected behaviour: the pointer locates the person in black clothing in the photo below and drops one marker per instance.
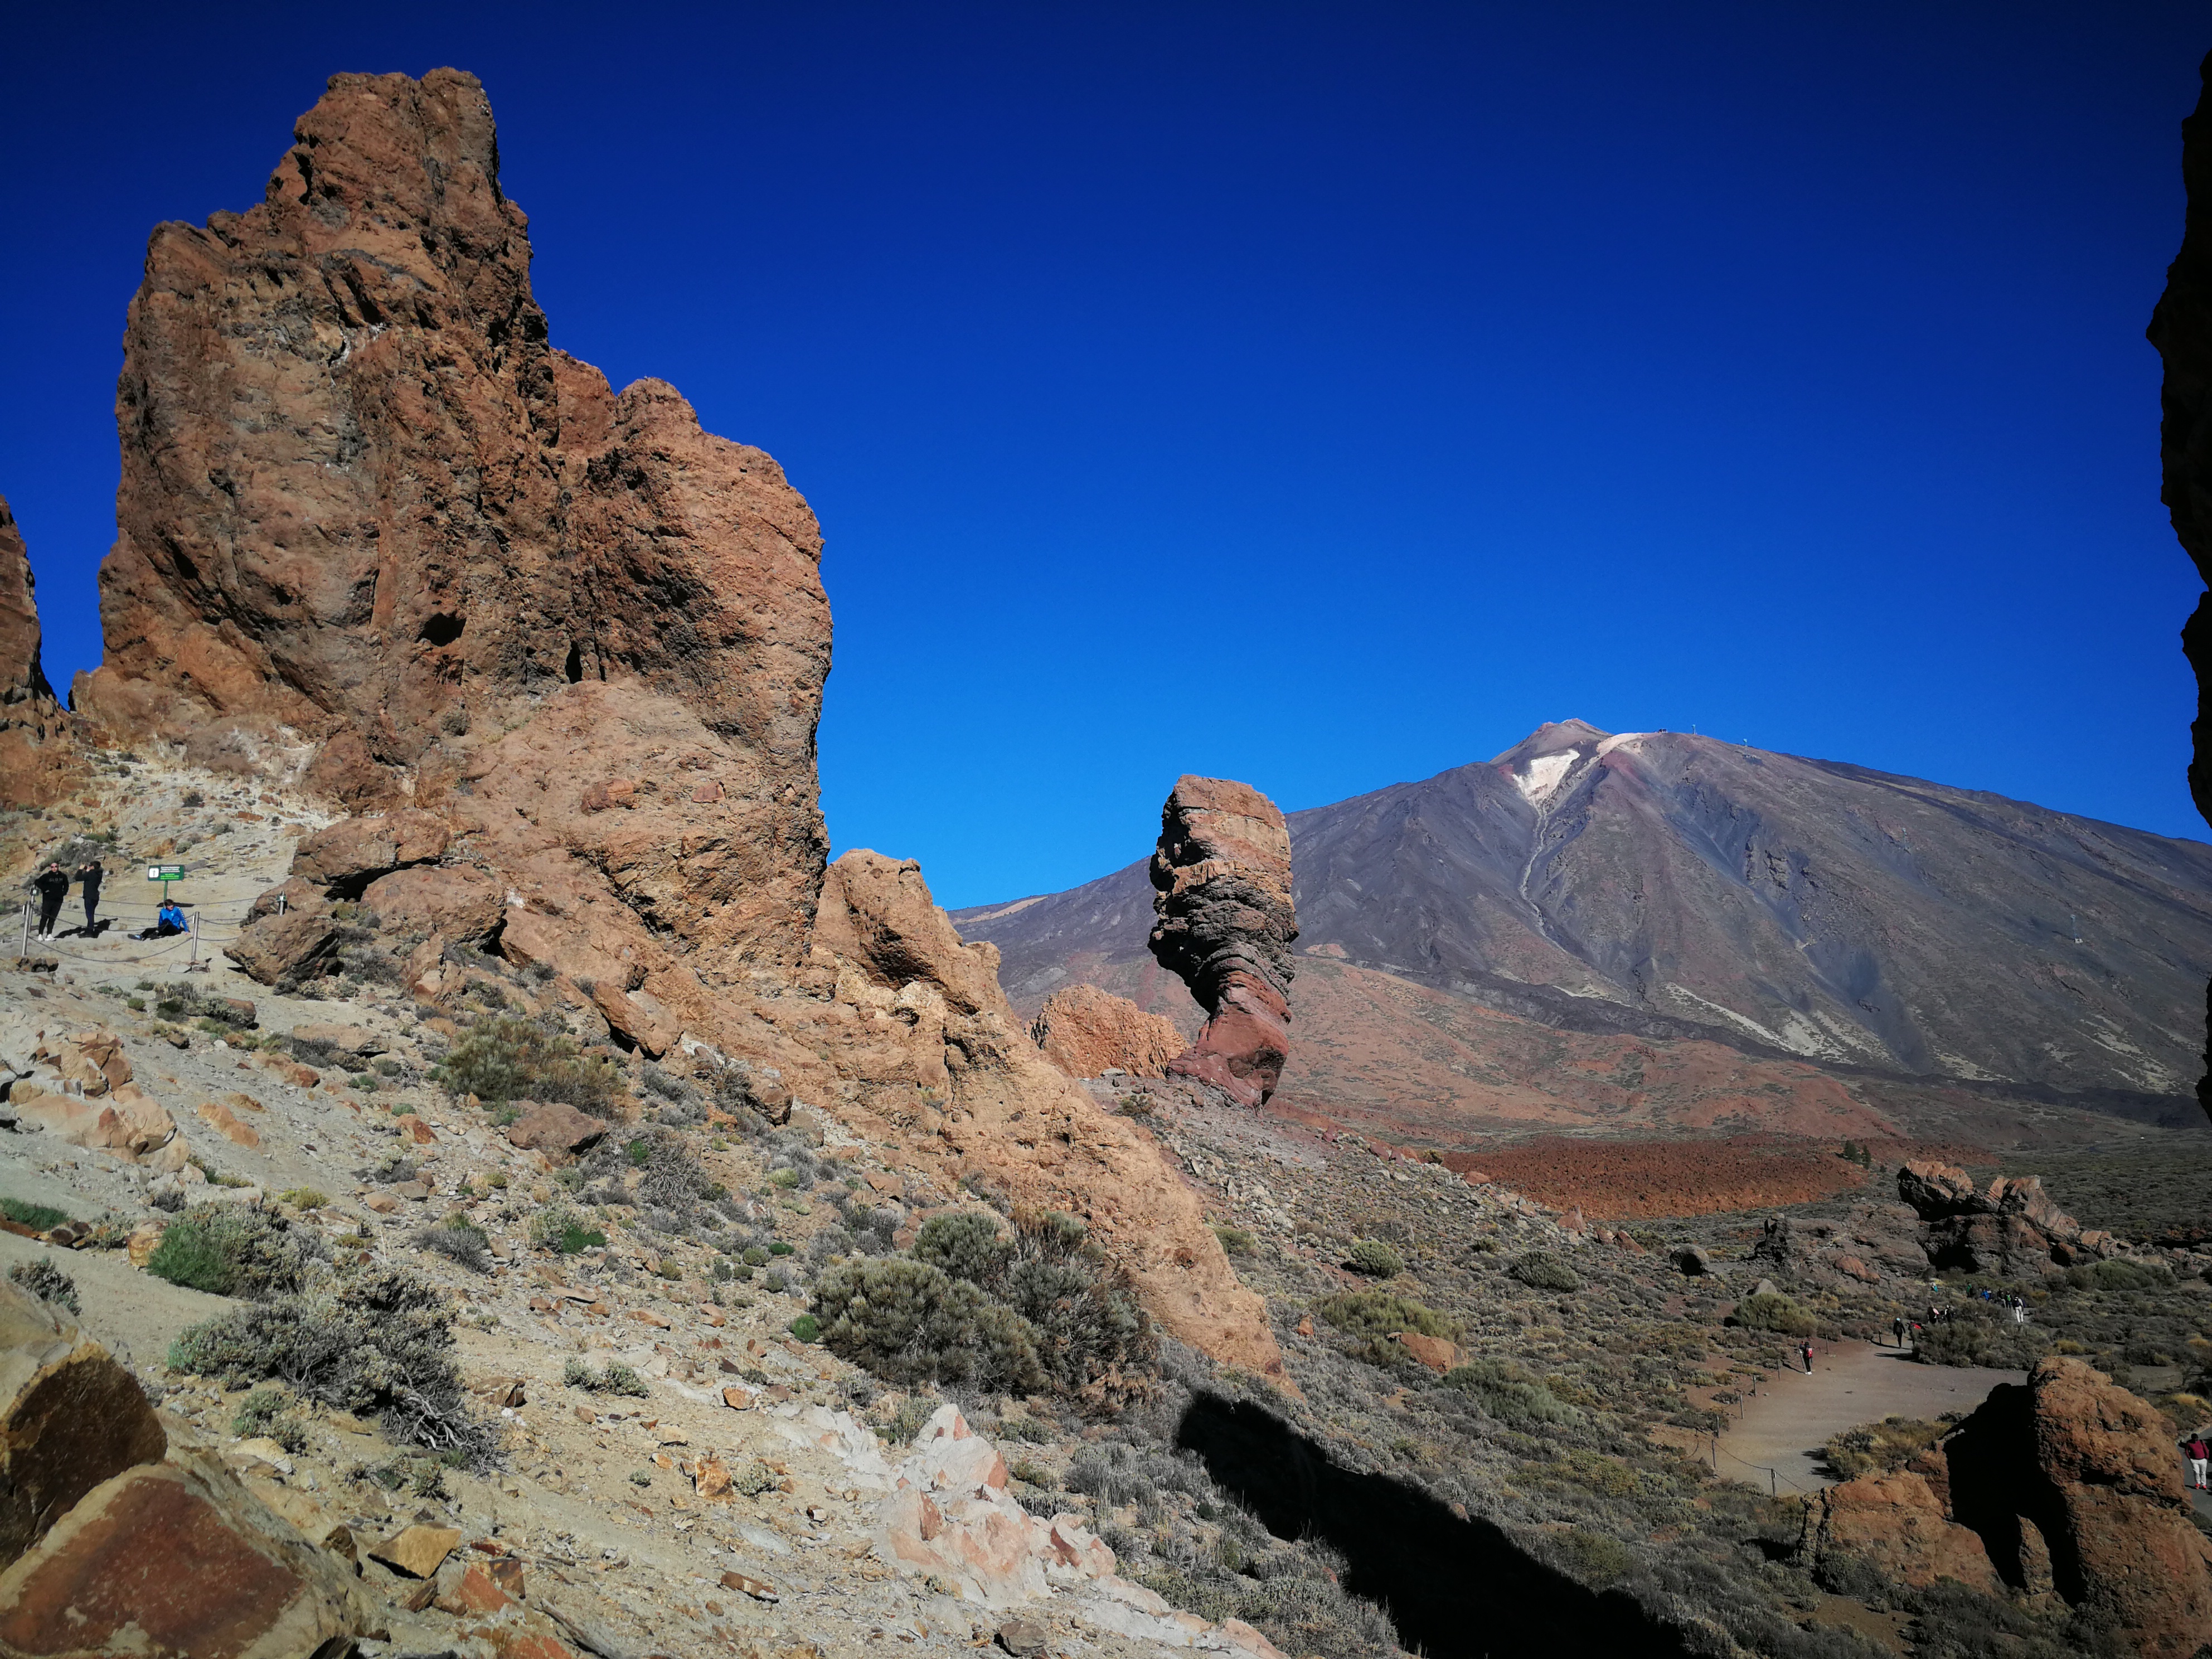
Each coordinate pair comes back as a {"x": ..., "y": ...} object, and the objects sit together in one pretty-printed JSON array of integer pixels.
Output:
[
  {"x": 90, "y": 873},
  {"x": 52, "y": 883}
]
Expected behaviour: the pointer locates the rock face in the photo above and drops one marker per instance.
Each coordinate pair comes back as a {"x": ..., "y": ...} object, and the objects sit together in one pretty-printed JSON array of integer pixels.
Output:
[
  {"x": 364, "y": 501},
  {"x": 2072, "y": 1485},
  {"x": 2013, "y": 1229},
  {"x": 2181, "y": 329},
  {"x": 1221, "y": 882},
  {"x": 1083, "y": 1032},
  {"x": 36, "y": 758}
]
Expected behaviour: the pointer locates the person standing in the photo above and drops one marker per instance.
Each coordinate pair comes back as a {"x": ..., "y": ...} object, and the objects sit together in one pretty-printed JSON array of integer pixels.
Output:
[
  {"x": 1807, "y": 1350},
  {"x": 1897, "y": 1330},
  {"x": 90, "y": 874},
  {"x": 52, "y": 883},
  {"x": 2198, "y": 1453}
]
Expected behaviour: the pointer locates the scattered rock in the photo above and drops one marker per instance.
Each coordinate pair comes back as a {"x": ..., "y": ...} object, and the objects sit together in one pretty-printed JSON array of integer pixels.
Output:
[
  {"x": 1024, "y": 1639},
  {"x": 417, "y": 1550},
  {"x": 554, "y": 1127}
]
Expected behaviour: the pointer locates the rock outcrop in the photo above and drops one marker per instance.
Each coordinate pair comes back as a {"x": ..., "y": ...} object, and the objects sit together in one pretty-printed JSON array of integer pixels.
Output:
[
  {"x": 1085, "y": 1031},
  {"x": 2013, "y": 1229},
  {"x": 2181, "y": 329},
  {"x": 2072, "y": 1485},
  {"x": 564, "y": 653},
  {"x": 37, "y": 758},
  {"x": 365, "y": 503},
  {"x": 1221, "y": 881}
]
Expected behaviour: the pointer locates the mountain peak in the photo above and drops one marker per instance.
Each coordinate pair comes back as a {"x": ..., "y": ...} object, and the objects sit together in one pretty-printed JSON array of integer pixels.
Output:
[{"x": 1552, "y": 738}]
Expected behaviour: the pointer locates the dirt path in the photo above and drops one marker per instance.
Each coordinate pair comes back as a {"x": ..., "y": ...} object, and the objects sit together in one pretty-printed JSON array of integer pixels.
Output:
[{"x": 1793, "y": 1415}]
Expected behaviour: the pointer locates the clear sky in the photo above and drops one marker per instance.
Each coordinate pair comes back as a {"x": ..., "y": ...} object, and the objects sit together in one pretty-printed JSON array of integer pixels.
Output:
[{"x": 1321, "y": 395}]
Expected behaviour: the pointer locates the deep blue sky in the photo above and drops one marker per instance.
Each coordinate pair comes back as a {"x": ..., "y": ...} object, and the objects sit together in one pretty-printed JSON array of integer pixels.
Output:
[{"x": 1321, "y": 395}]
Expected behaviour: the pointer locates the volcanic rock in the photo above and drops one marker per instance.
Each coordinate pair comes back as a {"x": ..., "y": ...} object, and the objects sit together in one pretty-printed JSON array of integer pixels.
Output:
[
  {"x": 353, "y": 851},
  {"x": 280, "y": 947},
  {"x": 2181, "y": 329},
  {"x": 1221, "y": 881},
  {"x": 2015, "y": 1229},
  {"x": 554, "y": 1127},
  {"x": 1896, "y": 1522},
  {"x": 2073, "y": 1475},
  {"x": 1085, "y": 1031},
  {"x": 38, "y": 759}
]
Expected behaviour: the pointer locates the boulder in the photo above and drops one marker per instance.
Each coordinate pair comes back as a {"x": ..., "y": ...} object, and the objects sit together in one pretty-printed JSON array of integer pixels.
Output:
[
  {"x": 2013, "y": 1229},
  {"x": 1085, "y": 1031},
  {"x": 352, "y": 853},
  {"x": 1896, "y": 1522},
  {"x": 554, "y": 1127},
  {"x": 284, "y": 947},
  {"x": 294, "y": 893},
  {"x": 2071, "y": 1477},
  {"x": 347, "y": 1039},
  {"x": 1225, "y": 920},
  {"x": 1434, "y": 1352},
  {"x": 130, "y": 1124},
  {"x": 417, "y": 1550},
  {"x": 225, "y": 1122}
]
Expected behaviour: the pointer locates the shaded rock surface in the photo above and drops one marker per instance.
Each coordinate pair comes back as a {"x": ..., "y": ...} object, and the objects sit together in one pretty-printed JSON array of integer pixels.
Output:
[
  {"x": 1896, "y": 1522},
  {"x": 2181, "y": 329},
  {"x": 2015, "y": 1229},
  {"x": 1083, "y": 1032},
  {"x": 38, "y": 760},
  {"x": 1221, "y": 882}
]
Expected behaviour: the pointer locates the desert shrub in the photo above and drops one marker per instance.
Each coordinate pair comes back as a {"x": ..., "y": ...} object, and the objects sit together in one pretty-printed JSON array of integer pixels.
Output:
[
  {"x": 561, "y": 1230},
  {"x": 1542, "y": 1270},
  {"x": 1091, "y": 1327},
  {"x": 1111, "y": 1473},
  {"x": 617, "y": 1378},
  {"x": 1874, "y": 1448},
  {"x": 2117, "y": 1275},
  {"x": 303, "y": 1198},
  {"x": 912, "y": 1416},
  {"x": 1770, "y": 1310},
  {"x": 382, "y": 1342},
  {"x": 1507, "y": 1393},
  {"x": 46, "y": 1282},
  {"x": 39, "y": 1218},
  {"x": 503, "y": 1058},
  {"x": 1236, "y": 1241},
  {"x": 182, "y": 1002},
  {"x": 458, "y": 1239},
  {"x": 963, "y": 1245},
  {"x": 753, "y": 1479},
  {"x": 909, "y": 1321},
  {"x": 805, "y": 1328},
  {"x": 235, "y": 1249},
  {"x": 1370, "y": 1318},
  {"x": 672, "y": 1178},
  {"x": 1597, "y": 1558},
  {"x": 1972, "y": 1337},
  {"x": 1372, "y": 1257}
]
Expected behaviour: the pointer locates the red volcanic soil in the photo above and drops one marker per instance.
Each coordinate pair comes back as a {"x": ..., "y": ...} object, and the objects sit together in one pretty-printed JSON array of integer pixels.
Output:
[{"x": 1643, "y": 1180}]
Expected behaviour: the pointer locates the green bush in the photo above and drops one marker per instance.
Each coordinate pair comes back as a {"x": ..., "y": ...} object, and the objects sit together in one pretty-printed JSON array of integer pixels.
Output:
[
  {"x": 804, "y": 1328},
  {"x": 46, "y": 1282},
  {"x": 459, "y": 1239},
  {"x": 1507, "y": 1393},
  {"x": 39, "y": 1218},
  {"x": 1236, "y": 1241},
  {"x": 235, "y": 1249},
  {"x": 1880, "y": 1447},
  {"x": 964, "y": 1245},
  {"x": 558, "y": 1228},
  {"x": 382, "y": 1342},
  {"x": 1542, "y": 1270},
  {"x": 1770, "y": 1310},
  {"x": 503, "y": 1059},
  {"x": 617, "y": 1378},
  {"x": 908, "y": 1321},
  {"x": 2117, "y": 1275},
  {"x": 1971, "y": 1338},
  {"x": 1372, "y": 1257},
  {"x": 1371, "y": 1318}
]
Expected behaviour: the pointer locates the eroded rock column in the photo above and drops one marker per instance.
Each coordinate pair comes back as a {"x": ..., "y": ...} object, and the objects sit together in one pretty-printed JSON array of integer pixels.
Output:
[{"x": 1221, "y": 881}]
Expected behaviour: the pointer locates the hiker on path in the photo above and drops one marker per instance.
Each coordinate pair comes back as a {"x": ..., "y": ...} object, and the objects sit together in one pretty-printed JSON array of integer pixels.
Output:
[
  {"x": 2198, "y": 1452},
  {"x": 2019, "y": 1309},
  {"x": 90, "y": 873},
  {"x": 1897, "y": 1329},
  {"x": 1807, "y": 1350},
  {"x": 52, "y": 883}
]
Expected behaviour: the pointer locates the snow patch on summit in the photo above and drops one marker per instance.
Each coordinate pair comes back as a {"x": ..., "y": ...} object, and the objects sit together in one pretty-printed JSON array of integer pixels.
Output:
[{"x": 1545, "y": 774}]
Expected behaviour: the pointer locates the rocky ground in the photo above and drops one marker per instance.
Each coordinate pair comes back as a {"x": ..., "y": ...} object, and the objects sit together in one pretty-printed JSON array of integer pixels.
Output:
[{"x": 620, "y": 1506}]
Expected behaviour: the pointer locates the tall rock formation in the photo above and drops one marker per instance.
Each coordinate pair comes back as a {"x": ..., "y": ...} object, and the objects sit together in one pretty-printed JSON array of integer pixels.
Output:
[
  {"x": 367, "y": 511},
  {"x": 37, "y": 758},
  {"x": 2074, "y": 1486},
  {"x": 2181, "y": 329},
  {"x": 364, "y": 502},
  {"x": 1221, "y": 882}
]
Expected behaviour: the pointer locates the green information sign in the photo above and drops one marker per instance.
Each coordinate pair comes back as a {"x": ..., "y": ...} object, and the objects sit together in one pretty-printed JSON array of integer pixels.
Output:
[{"x": 165, "y": 872}]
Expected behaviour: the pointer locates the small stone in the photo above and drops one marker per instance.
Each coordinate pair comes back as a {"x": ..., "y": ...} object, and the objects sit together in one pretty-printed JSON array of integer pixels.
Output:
[
  {"x": 382, "y": 1203},
  {"x": 737, "y": 1399},
  {"x": 418, "y": 1552},
  {"x": 759, "y": 1588},
  {"x": 1024, "y": 1639}
]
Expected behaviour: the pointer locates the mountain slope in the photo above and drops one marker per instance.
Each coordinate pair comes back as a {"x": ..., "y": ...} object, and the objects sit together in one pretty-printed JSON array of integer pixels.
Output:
[{"x": 1671, "y": 888}]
